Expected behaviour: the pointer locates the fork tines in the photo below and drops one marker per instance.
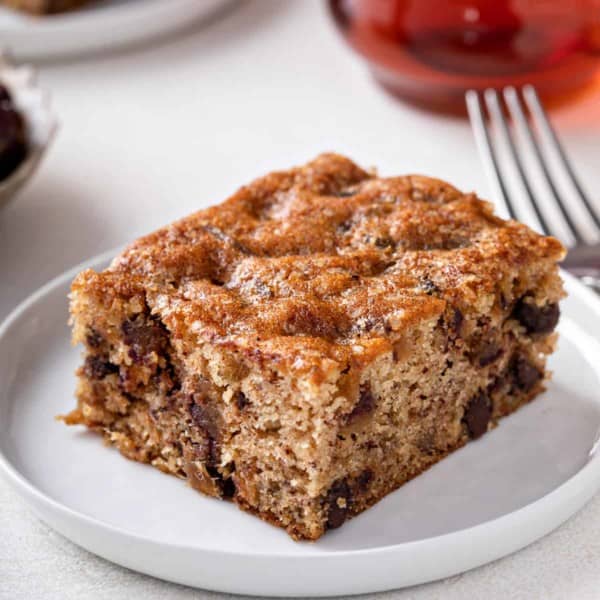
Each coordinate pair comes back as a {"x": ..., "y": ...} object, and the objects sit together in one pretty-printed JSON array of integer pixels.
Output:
[{"x": 521, "y": 150}]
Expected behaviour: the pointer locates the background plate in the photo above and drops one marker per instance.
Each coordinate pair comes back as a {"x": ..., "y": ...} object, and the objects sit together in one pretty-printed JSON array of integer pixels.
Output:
[
  {"x": 104, "y": 24},
  {"x": 486, "y": 500}
]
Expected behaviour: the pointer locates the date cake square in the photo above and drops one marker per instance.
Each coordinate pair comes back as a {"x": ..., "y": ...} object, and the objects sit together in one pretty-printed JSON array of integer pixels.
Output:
[{"x": 317, "y": 340}]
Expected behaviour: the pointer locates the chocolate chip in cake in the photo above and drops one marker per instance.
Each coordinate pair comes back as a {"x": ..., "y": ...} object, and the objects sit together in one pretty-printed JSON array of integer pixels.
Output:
[
  {"x": 365, "y": 404},
  {"x": 338, "y": 502},
  {"x": 97, "y": 367},
  {"x": 228, "y": 488},
  {"x": 489, "y": 352},
  {"x": 364, "y": 479},
  {"x": 241, "y": 400},
  {"x": 477, "y": 415},
  {"x": 93, "y": 338},
  {"x": 536, "y": 319},
  {"x": 525, "y": 374},
  {"x": 143, "y": 338}
]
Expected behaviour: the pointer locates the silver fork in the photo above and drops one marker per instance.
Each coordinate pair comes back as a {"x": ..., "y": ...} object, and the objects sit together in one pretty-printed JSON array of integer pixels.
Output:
[{"x": 528, "y": 155}]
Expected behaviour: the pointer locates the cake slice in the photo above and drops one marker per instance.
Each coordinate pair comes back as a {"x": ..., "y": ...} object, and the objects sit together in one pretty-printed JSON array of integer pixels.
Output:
[{"x": 317, "y": 340}]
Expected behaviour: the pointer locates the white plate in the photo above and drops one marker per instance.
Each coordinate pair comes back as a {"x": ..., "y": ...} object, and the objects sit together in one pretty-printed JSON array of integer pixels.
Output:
[
  {"x": 101, "y": 25},
  {"x": 489, "y": 499}
]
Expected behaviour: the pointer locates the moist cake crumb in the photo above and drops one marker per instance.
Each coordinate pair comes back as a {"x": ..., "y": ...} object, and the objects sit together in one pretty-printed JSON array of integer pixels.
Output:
[{"x": 316, "y": 340}]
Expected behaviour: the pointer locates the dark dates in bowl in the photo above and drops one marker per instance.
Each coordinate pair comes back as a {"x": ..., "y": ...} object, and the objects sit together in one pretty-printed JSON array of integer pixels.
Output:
[
  {"x": 13, "y": 137},
  {"x": 27, "y": 126}
]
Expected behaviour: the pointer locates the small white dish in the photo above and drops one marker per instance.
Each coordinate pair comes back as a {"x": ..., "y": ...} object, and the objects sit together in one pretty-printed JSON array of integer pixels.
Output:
[
  {"x": 489, "y": 499},
  {"x": 99, "y": 25},
  {"x": 34, "y": 105}
]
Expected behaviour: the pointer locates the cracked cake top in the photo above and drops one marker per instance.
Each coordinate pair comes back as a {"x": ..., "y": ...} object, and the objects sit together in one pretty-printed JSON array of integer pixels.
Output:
[{"x": 325, "y": 257}]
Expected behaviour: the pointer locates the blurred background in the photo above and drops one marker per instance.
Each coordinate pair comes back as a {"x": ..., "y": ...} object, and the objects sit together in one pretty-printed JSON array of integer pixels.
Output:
[{"x": 430, "y": 52}]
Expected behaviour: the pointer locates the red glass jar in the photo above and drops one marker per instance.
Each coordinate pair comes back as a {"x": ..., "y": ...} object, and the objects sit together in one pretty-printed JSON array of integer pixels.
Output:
[{"x": 431, "y": 51}]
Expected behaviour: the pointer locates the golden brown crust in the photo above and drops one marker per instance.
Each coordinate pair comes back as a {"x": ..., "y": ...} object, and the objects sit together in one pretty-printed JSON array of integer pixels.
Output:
[{"x": 322, "y": 260}]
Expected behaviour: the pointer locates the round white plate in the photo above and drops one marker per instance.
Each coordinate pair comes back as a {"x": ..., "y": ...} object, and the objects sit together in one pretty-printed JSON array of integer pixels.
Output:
[
  {"x": 101, "y": 25},
  {"x": 490, "y": 498}
]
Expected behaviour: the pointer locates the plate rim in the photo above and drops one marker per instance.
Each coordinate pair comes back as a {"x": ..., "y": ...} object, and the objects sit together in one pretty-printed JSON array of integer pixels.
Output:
[
  {"x": 578, "y": 489},
  {"x": 106, "y": 28},
  {"x": 103, "y": 16}
]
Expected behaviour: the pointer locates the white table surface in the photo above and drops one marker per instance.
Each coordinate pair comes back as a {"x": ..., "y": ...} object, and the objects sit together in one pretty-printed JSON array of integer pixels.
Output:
[{"x": 152, "y": 134}]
